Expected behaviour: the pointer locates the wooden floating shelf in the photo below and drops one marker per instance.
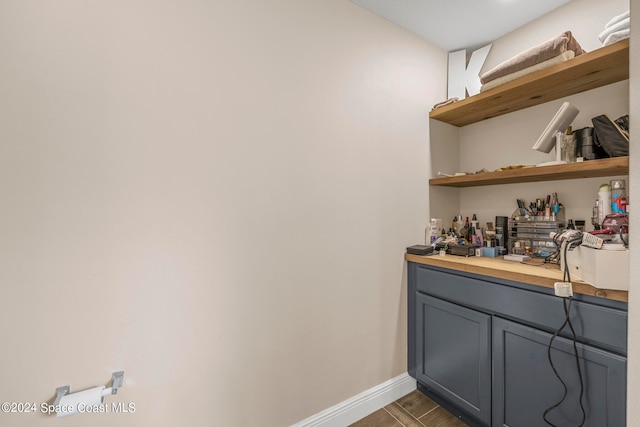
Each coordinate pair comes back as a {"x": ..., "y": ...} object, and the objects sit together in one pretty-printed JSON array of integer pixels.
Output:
[
  {"x": 591, "y": 70},
  {"x": 587, "y": 169}
]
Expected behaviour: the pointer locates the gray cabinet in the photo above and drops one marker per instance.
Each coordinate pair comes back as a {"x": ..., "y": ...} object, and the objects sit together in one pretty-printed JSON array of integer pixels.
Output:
[
  {"x": 454, "y": 348},
  {"x": 478, "y": 345},
  {"x": 525, "y": 386}
]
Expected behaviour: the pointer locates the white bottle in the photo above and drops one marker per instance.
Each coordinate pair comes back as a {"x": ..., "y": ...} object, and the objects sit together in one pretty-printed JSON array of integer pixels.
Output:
[
  {"x": 618, "y": 196},
  {"x": 432, "y": 231},
  {"x": 604, "y": 202}
]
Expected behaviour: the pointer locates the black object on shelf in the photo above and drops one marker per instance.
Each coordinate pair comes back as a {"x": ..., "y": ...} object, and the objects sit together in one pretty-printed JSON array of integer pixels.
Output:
[{"x": 420, "y": 250}]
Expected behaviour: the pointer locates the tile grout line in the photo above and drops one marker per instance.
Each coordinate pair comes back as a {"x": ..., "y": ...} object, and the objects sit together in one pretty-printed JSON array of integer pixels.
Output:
[
  {"x": 399, "y": 422},
  {"x": 427, "y": 413},
  {"x": 411, "y": 415}
]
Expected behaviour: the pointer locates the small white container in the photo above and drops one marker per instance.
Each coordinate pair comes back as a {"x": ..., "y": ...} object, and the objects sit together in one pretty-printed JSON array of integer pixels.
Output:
[{"x": 603, "y": 269}]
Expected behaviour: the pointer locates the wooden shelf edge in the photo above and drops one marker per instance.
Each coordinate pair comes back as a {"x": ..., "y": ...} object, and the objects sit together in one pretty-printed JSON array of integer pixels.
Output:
[
  {"x": 585, "y": 67},
  {"x": 591, "y": 168},
  {"x": 517, "y": 272}
]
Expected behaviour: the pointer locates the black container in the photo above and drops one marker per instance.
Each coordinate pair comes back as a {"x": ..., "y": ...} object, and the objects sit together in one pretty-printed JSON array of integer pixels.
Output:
[
  {"x": 586, "y": 146},
  {"x": 502, "y": 231}
]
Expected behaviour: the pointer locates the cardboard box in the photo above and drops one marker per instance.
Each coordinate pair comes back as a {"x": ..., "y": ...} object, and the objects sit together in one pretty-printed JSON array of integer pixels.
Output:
[{"x": 604, "y": 269}]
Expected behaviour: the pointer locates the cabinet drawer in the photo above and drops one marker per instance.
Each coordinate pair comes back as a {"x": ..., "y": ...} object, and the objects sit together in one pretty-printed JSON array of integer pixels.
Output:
[{"x": 594, "y": 324}]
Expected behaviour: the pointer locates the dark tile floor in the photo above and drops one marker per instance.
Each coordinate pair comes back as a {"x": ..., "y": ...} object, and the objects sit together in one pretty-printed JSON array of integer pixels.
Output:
[{"x": 413, "y": 410}]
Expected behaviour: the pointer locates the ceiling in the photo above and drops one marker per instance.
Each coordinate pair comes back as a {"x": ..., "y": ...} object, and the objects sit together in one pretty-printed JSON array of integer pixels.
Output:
[{"x": 460, "y": 24}]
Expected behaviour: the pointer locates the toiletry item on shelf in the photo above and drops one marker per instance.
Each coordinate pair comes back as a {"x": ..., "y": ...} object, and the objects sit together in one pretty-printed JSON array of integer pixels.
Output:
[
  {"x": 555, "y": 205},
  {"x": 618, "y": 196},
  {"x": 595, "y": 216},
  {"x": 502, "y": 231},
  {"x": 604, "y": 202},
  {"x": 479, "y": 239}
]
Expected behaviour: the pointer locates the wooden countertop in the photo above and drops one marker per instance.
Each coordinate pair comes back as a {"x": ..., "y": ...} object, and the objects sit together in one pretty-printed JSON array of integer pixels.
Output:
[{"x": 533, "y": 272}]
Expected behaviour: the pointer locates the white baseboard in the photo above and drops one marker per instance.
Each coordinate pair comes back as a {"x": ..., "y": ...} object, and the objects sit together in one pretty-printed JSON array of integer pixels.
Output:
[{"x": 361, "y": 405}]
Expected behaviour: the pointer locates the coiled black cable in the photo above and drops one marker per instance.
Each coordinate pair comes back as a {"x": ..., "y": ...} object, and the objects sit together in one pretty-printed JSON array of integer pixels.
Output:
[{"x": 567, "y": 321}]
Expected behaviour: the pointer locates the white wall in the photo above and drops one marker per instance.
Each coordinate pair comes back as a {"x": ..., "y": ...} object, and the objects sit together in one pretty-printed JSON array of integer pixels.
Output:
[
  {"x": 633, "y": 372},
  {"x": 212, "y": 196}
]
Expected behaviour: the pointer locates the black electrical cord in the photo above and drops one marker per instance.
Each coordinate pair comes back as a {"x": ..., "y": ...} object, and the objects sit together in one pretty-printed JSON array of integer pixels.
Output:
[
  {"x": 567, "y": 321},
  {"x": 626, "y": 244}
]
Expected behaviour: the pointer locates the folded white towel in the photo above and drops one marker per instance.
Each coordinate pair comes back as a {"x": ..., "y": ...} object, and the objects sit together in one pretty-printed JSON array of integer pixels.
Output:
[
  {"x": 617, "y": 36},
  {"x": 620, "y": 25},
  {"x": 617, "y": 19}
]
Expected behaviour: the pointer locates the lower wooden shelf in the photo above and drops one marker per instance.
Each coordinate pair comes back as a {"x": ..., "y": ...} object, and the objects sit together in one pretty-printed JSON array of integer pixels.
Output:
[{"x": 587, "y": 169}]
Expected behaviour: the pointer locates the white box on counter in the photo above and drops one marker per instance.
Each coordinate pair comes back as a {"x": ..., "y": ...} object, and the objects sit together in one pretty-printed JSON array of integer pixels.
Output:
[{"x": 601, "y": 268}]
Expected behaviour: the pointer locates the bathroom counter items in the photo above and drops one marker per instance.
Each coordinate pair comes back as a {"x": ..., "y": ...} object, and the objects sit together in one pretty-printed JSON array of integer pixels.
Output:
[{"x": 533, "y": 272}]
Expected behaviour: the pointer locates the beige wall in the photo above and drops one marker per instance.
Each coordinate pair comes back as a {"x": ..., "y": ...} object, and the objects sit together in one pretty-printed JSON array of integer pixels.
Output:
[
  {"x": 633, "y": 373},
  {"x": 214, "y": 197}
]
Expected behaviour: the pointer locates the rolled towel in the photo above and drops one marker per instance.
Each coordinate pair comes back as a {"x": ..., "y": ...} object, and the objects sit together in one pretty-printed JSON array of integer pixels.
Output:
[
  {"x": 618, "y": 26},
  {"x": 617, "y": 36},
  {"x": 617, "y": 19},
  {"x": 540, "y": 53}
]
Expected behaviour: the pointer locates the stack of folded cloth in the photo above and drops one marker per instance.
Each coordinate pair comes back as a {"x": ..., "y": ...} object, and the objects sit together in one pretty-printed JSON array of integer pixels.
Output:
[
  {"x": 618, "y": 28},
  {"x": 551, "y": 52}
]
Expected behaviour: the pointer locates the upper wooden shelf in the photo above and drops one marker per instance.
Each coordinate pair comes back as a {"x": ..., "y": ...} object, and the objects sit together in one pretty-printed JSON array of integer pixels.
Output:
[
  {"x": 597, "y": 68},
  {"x": 587, "y": 169}
]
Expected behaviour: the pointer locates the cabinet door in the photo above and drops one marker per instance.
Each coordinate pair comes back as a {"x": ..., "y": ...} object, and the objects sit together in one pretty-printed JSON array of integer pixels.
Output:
[
  {"x": 525, "y": 385},
  {"x": 453, "y": 352}
]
